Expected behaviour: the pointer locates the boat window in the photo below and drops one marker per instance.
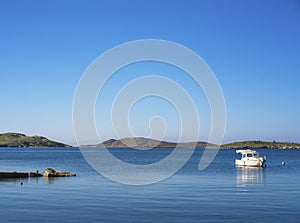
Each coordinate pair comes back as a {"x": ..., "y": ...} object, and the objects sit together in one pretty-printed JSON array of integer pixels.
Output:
[
  {"x": 244, "y": 155},
  {"x": 249, "y": 155}
]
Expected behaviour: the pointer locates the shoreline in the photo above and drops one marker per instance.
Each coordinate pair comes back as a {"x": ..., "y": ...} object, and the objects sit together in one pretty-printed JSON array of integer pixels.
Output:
[{"x": 99, "y": 147}]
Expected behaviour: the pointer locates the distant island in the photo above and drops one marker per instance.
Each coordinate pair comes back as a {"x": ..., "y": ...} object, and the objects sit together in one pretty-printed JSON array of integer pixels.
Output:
[
  {"x": 261, "y": 145},
  {"x": 140, "y": 142},
  {"x": 21, "y": 140}
]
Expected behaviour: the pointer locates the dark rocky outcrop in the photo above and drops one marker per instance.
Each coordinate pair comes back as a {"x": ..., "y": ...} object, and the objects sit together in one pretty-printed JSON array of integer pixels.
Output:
[{"x": 13, "y": 175}]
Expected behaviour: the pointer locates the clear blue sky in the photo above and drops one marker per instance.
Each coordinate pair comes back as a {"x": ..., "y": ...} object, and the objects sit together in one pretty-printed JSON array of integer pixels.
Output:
[{"x": 253, "y": 47}]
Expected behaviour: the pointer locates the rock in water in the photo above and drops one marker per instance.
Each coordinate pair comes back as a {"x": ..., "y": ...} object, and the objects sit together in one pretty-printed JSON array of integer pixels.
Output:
[{"x": 49, "y": 172}]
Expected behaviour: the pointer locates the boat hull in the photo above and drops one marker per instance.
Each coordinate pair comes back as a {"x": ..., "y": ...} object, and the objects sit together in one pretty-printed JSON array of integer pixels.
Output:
[{"x": 252, "y": 163}]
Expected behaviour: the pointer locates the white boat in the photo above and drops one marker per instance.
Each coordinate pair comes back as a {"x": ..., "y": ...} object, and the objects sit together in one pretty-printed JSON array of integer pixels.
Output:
[{"x": 250, "y": 158}]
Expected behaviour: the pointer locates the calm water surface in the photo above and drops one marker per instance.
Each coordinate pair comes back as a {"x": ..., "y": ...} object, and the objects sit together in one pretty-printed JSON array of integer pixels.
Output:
[{"x": 220, "y": 193}]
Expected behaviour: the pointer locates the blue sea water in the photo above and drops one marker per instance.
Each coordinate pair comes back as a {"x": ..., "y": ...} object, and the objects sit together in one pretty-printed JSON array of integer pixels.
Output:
[{"x": 220, "y": 193}]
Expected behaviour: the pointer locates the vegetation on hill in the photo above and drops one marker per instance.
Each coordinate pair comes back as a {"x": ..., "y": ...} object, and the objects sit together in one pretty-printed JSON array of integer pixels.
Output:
[
  {"x": 261, "y": 145},
  {"x": 21, "y": 140},
  {"x": 140, "y": 142},
  {"x": 151, "y": 143}
]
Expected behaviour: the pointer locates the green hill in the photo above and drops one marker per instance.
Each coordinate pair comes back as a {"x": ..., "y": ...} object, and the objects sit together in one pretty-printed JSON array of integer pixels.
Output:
[
  {"x": 261, "y": 145},
  {"x": 140, "y": 142},
  {"x": 21, "y": 140}
]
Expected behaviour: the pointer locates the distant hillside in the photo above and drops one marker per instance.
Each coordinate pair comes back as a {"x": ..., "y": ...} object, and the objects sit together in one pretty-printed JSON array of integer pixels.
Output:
[
  {"x": 262, "y": 145},
  {"x": 21, "y": 140},
  {"x": 140, "y": 142}
]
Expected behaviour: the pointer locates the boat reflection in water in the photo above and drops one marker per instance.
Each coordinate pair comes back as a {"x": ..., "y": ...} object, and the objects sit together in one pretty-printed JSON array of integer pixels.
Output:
[{"x": 246, "y": 176}]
